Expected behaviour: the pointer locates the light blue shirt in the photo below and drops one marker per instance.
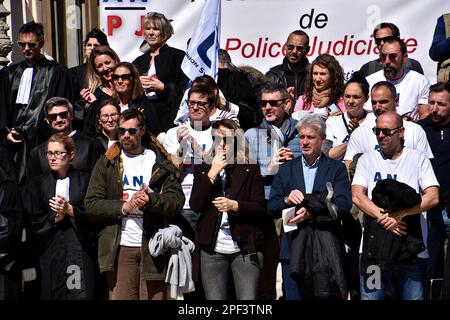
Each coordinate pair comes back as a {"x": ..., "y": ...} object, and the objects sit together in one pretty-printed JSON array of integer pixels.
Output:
[{"x": 309, "y": 174}]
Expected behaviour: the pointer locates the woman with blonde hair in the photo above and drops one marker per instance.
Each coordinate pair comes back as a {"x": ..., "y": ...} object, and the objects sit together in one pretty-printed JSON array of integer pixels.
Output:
[
  {"x": 102, "y": 62},
  {"x": 160, "y": 69},
  {"x": 228, "y": 193}
]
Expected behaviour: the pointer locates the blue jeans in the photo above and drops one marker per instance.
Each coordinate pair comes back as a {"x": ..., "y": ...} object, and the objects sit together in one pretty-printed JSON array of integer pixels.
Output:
[
  {"x": 409, "y": 277},
  {"x": 216, "y": 268}
]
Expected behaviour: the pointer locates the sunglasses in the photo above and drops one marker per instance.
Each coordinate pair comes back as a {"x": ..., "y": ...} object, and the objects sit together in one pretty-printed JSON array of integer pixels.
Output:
[
  {"x": 200, "y": 104},
  {"x": 113, "y": 116},
  {"x": 273, "y": 103},
  {"x": 391, "y": 56},
  {"x": 386, "y": 131},
  {"x": 124, "y": 77},
  {"x": 131, "y": 131},
  {"x": 31, "y": 45},
  {"x": 291, "y": 47},
  {"x": 54, "y": 116},
  {"x": 379, "y": 40}
]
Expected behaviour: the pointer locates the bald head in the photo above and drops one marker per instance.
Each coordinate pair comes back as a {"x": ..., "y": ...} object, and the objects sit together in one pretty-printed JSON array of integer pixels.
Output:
[{"x": 392, "y": 117}]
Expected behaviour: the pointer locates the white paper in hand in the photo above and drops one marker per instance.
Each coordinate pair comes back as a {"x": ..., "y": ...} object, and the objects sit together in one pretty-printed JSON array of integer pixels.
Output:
[{"x": 287, "y": 215}]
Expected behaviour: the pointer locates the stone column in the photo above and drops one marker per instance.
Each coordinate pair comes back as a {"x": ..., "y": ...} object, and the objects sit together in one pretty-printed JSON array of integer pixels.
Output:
[{"x": 5, "y": 42}]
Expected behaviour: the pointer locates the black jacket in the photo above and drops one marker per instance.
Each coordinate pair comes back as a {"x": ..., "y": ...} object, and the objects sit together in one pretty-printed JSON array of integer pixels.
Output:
[
  {"x": 237, "y": 89},
  {"x": 168, "y": 70},
  {"x": 283, "y": 75},
  {"x": 87, "y": 152},
  {"x": 10, "y": 212}
]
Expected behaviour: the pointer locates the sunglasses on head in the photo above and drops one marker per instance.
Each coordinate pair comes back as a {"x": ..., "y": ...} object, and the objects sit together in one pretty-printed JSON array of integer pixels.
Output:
[
  {"x": 386, "y": 131},
  {"x": 54, "y": 116},
  {"x": 379, "y": 40},
  {"x": 131, "y": 131},
  {"x": 125, "y": 77},
  {"x": 273, "y": 103},
  {"x": 31, "y": 45},
  {"x": 291, "y": 47}
]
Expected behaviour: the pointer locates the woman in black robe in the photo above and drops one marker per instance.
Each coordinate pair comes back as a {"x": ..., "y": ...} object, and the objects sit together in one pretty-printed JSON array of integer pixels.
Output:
[{"x": 59, "y": 233}]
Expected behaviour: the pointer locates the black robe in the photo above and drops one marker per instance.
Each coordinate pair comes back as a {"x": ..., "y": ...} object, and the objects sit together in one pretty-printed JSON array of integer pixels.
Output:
[
  {"x": 10, "y": 228},
  {"x": 65, "y": 246},
  {"x": 87, "y": 152},
  {"x": 237, "y": 89},
  {"x": 149, "y": 109},
  {"x": 168, "y": 70},
  {"x": 50, "y": 79}
]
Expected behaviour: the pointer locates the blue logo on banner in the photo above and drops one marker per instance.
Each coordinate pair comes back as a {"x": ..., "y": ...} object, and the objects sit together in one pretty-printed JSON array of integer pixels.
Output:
[{"x": 203, "y": 48}]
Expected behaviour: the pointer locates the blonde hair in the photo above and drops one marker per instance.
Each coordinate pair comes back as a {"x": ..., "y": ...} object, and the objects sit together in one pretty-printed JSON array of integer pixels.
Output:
[
  {"x": 93, "y": 78},
  {"x": 240, "y": 150}
]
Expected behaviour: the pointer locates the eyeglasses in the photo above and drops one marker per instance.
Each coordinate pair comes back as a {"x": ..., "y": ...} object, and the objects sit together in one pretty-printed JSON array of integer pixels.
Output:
[
  {"x": 391, "y": 56},
  {"x": 386, "y": 131},
  {"x": 124, "y": 77},
  {"x": 31, "y": 44},
  {"x": 200, "y": 104},
  {"x": 291, "y": 47},
  {"x": 57, "y": 154},
  {"x": 113, "y": 116},
  {"x": 273, "y": 103},
  {"x": 131, "y": 131},
  {"x": 54, "y": 116}
]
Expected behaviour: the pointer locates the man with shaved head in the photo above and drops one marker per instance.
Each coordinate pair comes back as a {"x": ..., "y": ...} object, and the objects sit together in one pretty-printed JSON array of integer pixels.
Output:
[{"x": 393, "y": 161}]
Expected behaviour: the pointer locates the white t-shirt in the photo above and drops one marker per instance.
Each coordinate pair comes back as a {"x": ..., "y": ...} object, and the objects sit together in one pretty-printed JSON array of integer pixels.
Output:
[
  {"x": 412, "y": 168},
  {"x": 412, "y": 89},
  {"x": 204, "y": 139},
  {"x": 225, "y": 243},
  {"x": 364, "y": 140},
  {"x": 137, "y": 170},
  {"x": 337, "y": 131}
]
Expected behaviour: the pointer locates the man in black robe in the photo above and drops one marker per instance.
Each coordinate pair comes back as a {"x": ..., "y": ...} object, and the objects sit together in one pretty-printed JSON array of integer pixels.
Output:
[
  {"x": 59, "y": 116},
  {"x": 24, "y": 89}
]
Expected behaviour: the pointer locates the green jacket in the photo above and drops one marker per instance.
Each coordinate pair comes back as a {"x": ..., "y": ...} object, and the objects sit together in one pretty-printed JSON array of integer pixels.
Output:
[{"x": 103, "y": 203}]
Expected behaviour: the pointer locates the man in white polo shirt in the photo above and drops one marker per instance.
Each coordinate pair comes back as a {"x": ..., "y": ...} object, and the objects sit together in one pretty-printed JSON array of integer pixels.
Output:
[{"x": 383, "y": 98}]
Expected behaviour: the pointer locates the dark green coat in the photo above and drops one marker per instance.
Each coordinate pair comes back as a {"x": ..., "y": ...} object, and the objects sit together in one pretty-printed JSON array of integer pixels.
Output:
[{"x": 103, "y": 203}]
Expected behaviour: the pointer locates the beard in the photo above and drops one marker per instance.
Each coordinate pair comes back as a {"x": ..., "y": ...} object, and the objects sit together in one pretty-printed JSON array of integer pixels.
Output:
[
  {"x": 437, "y": 119},
  {"x": 390, "y": 73}
]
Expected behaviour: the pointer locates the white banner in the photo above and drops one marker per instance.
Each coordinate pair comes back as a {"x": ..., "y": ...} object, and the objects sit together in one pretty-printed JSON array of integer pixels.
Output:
[{"x": 254, "y": 31}]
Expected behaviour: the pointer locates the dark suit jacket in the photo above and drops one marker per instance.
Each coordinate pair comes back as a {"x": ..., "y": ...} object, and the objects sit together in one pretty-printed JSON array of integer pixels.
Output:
[
  {"x": 87, "y": 152},
  {"x": 290, "y": 177}
]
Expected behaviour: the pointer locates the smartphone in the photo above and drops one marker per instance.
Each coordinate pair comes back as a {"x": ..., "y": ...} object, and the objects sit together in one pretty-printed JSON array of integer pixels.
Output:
[{"x": 333, "y": 108}]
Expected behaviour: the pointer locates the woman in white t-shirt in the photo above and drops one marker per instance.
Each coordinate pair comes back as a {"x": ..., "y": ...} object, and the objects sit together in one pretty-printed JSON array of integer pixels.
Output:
[
  {"x": 340, "y": 127},
  {"x": 229, "y": 194}
]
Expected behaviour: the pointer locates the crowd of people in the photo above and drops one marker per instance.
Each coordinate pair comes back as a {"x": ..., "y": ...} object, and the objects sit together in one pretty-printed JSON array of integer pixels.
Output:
[{"x": 344, "y": 184}]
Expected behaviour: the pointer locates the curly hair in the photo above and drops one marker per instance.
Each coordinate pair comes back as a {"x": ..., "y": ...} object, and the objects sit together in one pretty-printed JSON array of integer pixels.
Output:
[{"x": 336, "y": 75}]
